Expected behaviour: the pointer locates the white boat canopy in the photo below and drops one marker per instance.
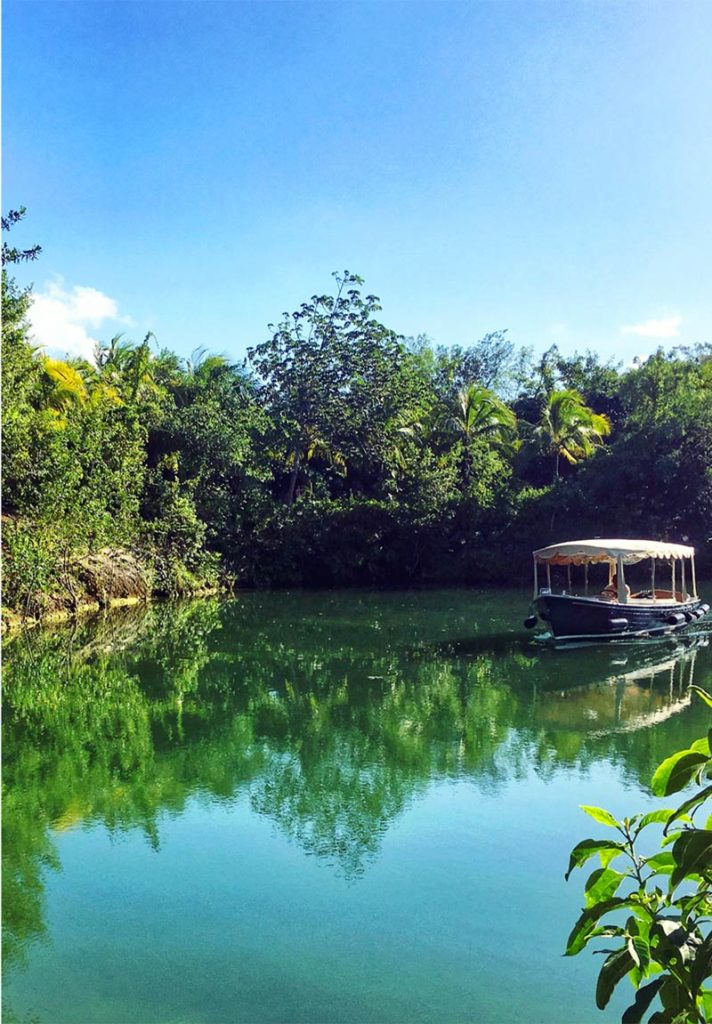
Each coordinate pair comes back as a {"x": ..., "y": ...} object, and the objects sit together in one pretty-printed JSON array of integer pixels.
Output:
[{"x": 582, "y": 552}]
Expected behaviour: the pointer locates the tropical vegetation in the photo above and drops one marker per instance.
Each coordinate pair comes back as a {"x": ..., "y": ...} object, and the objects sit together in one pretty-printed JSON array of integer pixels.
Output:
[
  {"x": 665, "y": 944},
  {"x": 336, "y": 454}
]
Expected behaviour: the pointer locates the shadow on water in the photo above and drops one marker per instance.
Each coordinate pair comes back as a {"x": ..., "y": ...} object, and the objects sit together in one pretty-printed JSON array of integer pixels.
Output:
[{"x": 329, "y": 714}]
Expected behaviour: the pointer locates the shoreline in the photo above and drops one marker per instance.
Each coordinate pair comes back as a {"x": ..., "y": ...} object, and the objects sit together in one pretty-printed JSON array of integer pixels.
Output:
[{"x": 13, "y": 622}]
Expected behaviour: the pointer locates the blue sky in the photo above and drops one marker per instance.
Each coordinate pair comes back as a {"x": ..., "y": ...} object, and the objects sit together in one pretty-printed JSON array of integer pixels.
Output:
[{"x": 197, "y": 168}]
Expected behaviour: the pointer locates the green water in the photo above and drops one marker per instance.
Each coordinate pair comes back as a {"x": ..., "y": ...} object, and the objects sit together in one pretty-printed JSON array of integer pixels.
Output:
[{"x": 317, "y": 807}]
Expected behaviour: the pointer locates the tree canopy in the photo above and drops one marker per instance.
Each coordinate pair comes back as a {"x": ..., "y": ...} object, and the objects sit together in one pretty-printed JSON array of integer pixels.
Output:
[{"x": 340, "y": 453}]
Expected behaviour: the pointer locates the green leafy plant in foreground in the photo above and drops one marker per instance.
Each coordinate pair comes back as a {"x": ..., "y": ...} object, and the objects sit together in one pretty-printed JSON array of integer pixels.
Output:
[{"x": 662, "y": 927}]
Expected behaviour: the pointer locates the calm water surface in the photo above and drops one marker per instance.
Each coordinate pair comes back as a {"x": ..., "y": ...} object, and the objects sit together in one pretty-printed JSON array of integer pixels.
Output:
[{"x": 317, "y": 807}]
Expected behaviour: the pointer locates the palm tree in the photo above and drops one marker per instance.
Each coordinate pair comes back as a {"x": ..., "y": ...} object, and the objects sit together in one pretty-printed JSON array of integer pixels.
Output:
[
  {"x": 113, "y": 359},
  {"x": 201, "y": 363},
  {"x": 479, "y": 413},
  {"x": 66, "y": 386},
  {"x": 403, "y": 427},
  {"x": 568, "y": 429},
  {"x": 127, "y": 368},
  {"x": 306, "y": 445}
]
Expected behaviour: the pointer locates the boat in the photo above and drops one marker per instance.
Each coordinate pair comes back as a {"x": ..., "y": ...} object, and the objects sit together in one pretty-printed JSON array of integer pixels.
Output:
[{"x": 615, "y": 612}]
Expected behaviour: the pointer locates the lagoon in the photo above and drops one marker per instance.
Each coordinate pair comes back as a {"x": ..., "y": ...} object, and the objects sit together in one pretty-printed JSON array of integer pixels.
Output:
[{"x": 348, "y": 807}]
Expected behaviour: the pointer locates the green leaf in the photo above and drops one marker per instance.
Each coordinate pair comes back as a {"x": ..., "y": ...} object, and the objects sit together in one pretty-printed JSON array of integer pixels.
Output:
[
  {"x": 693, "y": 853},
  {"x": 692, "y": 804},
  {"x": 661, "y": 863},
  {"x": 601, "y": 885},
  {"x": 598, "y": 814},
  {"x": 672, "y": 939},
  {"x": 615, "y": 967},
  {"x": 639, "y": 950},
  {"x": 701, "y": 968},
  {"x": 706, "y": 1001},
  {"x": 588, "y": 848},
  {"x": 606, "y": 856},
  {"x": 675, "y": 772},
  {"x": 643, "y": 916},
  {"x": 670, "y": 838},
  {"x": 661, "y": 817},
  {"x": 583, "y": 929},
  {"x": 643, "y": 998},
  {"x": 702, "y": 745},
  {"x": 703, "y": 694}
]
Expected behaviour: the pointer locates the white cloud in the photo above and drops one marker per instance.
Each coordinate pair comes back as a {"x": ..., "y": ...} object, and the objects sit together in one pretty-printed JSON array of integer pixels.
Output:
[
  {"x": 666, "y": 327},
  {"x": 61, "y": 319}
]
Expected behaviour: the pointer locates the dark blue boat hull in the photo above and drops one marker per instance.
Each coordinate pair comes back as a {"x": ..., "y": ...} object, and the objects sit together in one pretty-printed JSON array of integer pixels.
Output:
[{"x": 589, "y": 618}]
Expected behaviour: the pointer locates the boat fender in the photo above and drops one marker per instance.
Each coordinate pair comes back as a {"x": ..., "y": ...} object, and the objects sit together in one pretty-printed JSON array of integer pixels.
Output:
[
  {"x": 690, "y": 616},
  {"x": 530, "y": 622},
  {"x": 704, "y": 608},
  {"x": 618, "y": 624},
  {"x": 698, "y": 613},
  {"x": 676, "y": 618}
]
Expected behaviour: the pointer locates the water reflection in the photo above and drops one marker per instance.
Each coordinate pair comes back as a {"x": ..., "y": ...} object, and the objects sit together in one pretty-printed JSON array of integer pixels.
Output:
[{"x": 329, "y": 714}]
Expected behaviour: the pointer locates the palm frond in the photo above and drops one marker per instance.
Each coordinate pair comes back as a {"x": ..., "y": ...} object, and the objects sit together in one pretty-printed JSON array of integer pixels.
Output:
[{"x": 68, "y": 389}]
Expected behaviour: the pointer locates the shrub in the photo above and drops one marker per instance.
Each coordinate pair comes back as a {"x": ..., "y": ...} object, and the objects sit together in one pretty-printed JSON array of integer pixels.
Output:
[{"x": 666, "y": 936}]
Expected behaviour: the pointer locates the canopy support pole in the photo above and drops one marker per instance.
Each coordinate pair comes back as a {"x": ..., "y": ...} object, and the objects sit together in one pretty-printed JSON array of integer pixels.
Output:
[
  {"x": 536, "y": 578},
  {"x": 548, "y": 576},
  {"x": 694, "y": 578},
  {"x": 674, "y": 592},
  {"x": 622, "y": 598},
  {"x": 684, "y": 595},
  {"x": 585, "y": 579},
  {"x": 652, "y": 579},
  {"x": 568, "y": 577}
]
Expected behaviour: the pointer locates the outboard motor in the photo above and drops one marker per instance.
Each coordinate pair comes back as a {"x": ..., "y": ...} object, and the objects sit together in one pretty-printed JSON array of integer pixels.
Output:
[{"x": 617, "y": 625}]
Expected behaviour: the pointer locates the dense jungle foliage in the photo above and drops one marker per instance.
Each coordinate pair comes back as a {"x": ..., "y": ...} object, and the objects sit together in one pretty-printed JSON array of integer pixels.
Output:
[{"x": 339, "y": 453}]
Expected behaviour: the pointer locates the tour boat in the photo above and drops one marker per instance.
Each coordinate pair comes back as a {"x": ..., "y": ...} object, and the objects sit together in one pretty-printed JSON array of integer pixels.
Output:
[{"x": 615, "y": 613}]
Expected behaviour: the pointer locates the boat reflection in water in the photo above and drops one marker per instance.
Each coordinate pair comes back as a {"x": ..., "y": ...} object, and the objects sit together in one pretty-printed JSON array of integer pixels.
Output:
[{"x": 637, "y": 693}]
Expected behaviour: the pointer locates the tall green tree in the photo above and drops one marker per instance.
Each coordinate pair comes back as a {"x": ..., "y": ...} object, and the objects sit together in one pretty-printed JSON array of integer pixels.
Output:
[
  {"x": 662, "y": 452},
  {"x": 568, "y": 429},
  {"x": 477, "y": 414},
  {"x": 493, "y": 362},
  {"x": 333, "y": 377}
]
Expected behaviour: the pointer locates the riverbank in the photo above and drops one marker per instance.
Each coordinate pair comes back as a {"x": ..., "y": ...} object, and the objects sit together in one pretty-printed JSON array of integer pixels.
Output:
[{"x": 96, "y": 582}]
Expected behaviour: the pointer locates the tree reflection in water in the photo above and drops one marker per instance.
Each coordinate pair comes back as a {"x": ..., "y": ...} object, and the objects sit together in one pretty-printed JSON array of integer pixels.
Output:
[{"x": 329, "y": 714}]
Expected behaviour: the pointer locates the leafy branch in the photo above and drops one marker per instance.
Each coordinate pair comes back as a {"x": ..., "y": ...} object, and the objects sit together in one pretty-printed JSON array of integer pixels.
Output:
[
  {"x": 665, "y": 944},
  {"x": 10, "y": 254}
]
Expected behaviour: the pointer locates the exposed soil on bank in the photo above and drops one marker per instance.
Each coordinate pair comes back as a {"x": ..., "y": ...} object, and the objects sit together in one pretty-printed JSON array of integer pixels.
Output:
[{"x": 110, "y": 578}]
